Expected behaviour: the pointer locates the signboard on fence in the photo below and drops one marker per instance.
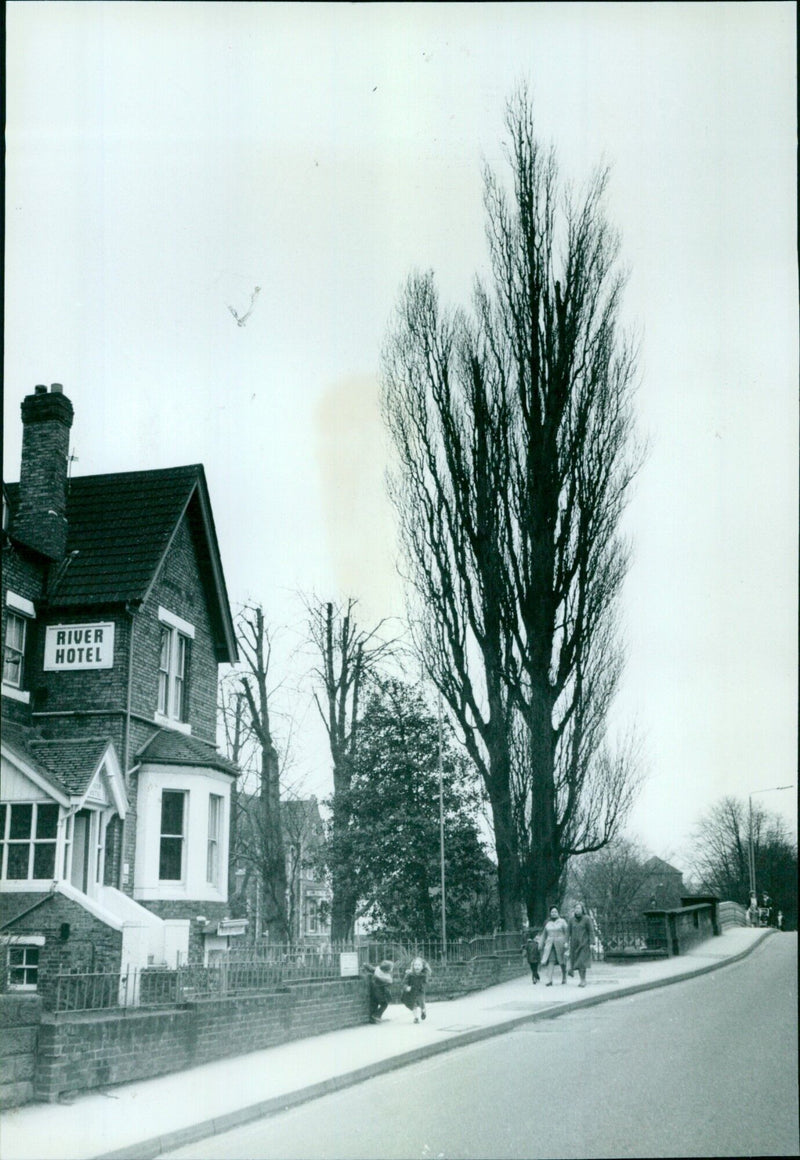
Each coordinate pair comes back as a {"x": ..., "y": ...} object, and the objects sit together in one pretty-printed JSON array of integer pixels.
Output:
[{"x": 348, "y": 963}]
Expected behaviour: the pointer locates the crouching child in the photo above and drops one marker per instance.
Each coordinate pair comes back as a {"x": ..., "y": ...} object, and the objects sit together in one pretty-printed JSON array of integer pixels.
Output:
[{"x": 380, "y": 994}]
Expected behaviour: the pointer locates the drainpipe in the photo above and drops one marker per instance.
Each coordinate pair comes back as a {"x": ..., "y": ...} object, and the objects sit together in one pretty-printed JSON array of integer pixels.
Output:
[{"x": 126, "y": 746}]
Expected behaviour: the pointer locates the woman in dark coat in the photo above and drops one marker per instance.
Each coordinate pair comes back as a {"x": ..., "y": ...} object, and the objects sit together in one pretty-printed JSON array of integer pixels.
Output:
[{"x": 581, "y": 936}]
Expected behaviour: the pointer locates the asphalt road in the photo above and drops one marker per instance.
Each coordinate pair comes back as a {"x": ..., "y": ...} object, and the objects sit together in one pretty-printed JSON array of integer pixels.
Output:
[{"x": 707, "y": 1067}]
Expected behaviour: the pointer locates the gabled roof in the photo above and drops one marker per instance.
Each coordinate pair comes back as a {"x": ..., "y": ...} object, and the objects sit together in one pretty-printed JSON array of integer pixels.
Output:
[
  {"x": 66, "y": 768},
  {"x": 120, "y": 527},
  {"x": 169, "y": 747},
  {"x": 17, "y": 744},
  {"x": 73, "y": 761}
]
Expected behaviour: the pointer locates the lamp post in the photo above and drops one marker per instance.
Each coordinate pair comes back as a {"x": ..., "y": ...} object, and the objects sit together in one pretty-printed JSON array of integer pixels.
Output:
[
  {"x": 441, "y": 833},
  {"x": 751, "y": 854}
]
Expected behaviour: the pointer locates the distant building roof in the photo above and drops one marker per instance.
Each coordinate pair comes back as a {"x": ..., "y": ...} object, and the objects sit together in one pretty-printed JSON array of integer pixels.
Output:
[
  {"x": 119, "y": 529},
  {"x": 169, "y": 747},
  {"x": 659, "y": 866}
]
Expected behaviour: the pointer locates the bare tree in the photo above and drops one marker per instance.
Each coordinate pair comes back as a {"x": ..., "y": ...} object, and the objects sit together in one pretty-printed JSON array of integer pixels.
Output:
[
  {"x": 512, "y": 428},
  {"x": 255, "y": 647},
  {"x": 347, "y": 655},
  {"x": 611, "y": 881},
  {"x": 721, "y": 844}
]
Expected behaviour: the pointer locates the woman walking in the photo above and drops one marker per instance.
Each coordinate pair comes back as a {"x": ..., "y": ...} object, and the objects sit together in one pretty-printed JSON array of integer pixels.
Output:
[
  {"x": 414, "y": 984},
  {"x": 580, "y": 943},
  {"x": 555, "y": 944}
]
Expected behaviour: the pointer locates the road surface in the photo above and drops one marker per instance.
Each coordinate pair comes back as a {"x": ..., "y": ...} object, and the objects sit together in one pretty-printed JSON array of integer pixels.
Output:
[{"x": 706, "y": 1067}]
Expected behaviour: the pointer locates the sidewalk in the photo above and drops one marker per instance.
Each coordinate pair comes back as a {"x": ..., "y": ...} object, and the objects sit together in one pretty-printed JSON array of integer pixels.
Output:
[{"x": 142, "y": 1120}]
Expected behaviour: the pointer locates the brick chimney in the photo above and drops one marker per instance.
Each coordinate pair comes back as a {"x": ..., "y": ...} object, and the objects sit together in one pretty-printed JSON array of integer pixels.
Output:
[{"x": 41, "y": 520}]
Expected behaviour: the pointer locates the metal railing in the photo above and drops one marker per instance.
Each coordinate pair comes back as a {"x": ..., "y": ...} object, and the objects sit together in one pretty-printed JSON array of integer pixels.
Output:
[
  {"x": 616, "y": 936},
  {"x": 257, "y": 969}
]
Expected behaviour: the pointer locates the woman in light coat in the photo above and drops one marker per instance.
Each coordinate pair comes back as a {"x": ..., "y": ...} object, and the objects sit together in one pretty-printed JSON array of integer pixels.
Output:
[{"x": 555, "y": 944}]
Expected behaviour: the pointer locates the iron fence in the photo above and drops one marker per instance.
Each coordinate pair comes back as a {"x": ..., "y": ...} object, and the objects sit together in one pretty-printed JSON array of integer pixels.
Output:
[
  {"x": 626, "y": 936},
  {"x": 258, "y": 968}
]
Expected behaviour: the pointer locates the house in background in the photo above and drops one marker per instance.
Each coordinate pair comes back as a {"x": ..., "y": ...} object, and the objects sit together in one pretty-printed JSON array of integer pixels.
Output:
[
  {"x": 662, "y": 887},
  {"x": 308, "y": 894},
  {"x": 115, "y": 803}
]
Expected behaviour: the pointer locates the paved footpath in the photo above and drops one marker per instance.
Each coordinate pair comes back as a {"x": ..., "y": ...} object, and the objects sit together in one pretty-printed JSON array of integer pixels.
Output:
[{"x": 143, "y": 1119}]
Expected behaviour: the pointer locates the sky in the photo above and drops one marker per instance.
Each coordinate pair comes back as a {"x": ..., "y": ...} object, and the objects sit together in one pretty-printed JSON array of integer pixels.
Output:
[{"x": 164, "y": 160}]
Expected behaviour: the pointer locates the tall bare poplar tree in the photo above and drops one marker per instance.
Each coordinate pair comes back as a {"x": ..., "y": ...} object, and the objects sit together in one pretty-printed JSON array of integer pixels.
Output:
[{"x": 512, "y": 427}]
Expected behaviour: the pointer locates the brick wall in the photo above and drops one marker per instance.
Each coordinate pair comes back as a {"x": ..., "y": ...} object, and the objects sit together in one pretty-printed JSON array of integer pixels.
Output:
[
  {"x": 89, "y": 945},
  {"x": 213, "y": 911},
  {"x": 81, "y": 1052},
  {"x": 179, "y": 589},
  {"x": 19, "y": 1025},
  {"x": 23, "y": 574}
]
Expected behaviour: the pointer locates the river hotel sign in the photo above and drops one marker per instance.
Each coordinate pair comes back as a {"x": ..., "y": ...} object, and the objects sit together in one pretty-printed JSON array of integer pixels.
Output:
[{"x": 68, "y": 647}]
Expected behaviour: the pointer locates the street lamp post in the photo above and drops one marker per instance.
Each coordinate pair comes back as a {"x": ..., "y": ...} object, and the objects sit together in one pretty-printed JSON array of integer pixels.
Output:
[
  {"x": 751, "y": 848},
  {"x": 441, "y": 834}
]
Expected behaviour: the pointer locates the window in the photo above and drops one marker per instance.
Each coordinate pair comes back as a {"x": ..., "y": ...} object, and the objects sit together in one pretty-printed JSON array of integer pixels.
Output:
[
  {"x": 214, "y": 831},
  {"x": 173, "y": 820},
  {"x": 14, "y": 652},
  {"x": 173, "y": 667},
  {"x": 23, "y": 967},
  {"x": 172, "y": 674},
  {"x": 28, "y": 832},
  {"x": 312, "y": 916}
]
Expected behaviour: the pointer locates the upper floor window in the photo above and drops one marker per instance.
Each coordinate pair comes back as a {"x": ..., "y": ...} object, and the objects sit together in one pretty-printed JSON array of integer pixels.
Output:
[
  {"x": 18, "y": 612},
  {"x": 28, "y": 832},
  {"x": 214, "y": 832},
  {"x": 14, "y": 652},
  {"x": 173, "y": 835},
  {"x": 173, "y": 667}
]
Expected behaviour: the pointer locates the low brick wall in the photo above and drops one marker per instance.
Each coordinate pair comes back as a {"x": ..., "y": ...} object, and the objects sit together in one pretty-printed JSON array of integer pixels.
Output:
[
  {"x": 87, "y": 1050},
  {"x": 452, "y": 979},
  {"x": 84, "y": 1051},
  {"x": 19, "y": 1025}
]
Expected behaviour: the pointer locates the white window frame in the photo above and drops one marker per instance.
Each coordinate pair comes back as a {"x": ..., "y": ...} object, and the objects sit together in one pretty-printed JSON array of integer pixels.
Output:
[
  {"x": 216, "y": 805},
  {"x": 26, "y": 943},
  {"x": 183, "y": 835},
  {"x": 19, "y": 610},
  {"x": 172, "y": 708},
  {"x": 31, "y": 841}
]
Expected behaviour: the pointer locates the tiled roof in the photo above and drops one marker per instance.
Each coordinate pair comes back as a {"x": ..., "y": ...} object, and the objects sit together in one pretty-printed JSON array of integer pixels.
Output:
[
  {"x": 74, "y": 761},
  {"x": 120, "y": 526},
  {"x": 23, "y": 741},
  {"x": 169, "y": 747}
]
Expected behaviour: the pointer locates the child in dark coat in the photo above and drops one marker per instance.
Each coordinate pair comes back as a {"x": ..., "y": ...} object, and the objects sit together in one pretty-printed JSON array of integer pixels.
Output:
[
  {"x": 533, "y": 953},
  {"x": 414, "y": 984},
  {"x": 380, "y": 982}
]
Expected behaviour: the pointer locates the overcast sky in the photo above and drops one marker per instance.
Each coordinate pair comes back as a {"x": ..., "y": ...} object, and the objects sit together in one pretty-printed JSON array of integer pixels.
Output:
[{"x": 165, "y": 159}]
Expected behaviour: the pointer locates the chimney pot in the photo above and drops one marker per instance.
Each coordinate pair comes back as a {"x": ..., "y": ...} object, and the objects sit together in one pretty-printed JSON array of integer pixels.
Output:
[
  {"x": 41, "y": 389},
  {"x": 56, "y": 388}
]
